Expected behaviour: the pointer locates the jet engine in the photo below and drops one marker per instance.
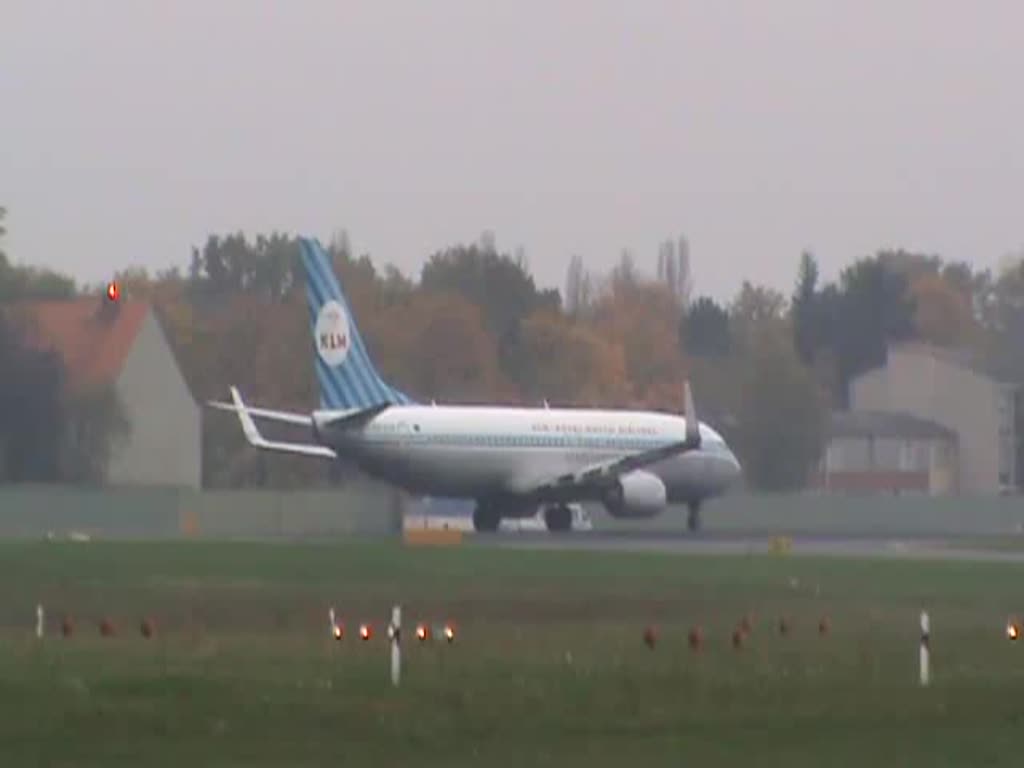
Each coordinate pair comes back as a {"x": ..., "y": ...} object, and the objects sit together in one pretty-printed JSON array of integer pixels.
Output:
[{"x": 636, "y": 494}]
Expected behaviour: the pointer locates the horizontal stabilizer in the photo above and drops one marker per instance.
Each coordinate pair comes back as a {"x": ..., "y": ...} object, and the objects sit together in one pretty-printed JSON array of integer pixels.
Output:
[
  {"x": 282, "y": 417},
  {"x": 253, "y": 436}
]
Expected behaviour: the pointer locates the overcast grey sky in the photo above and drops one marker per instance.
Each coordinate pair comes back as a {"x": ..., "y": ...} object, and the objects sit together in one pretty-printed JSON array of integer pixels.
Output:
[{"x": 130, "y": 130}]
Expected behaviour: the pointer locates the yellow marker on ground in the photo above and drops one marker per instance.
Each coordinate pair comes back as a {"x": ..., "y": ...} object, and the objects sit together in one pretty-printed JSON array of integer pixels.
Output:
[{"x": 432, "y": 537}]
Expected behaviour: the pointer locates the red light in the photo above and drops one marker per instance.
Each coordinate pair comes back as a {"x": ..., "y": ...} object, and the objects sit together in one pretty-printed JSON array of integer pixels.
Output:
[
  {"x": 422, "y": 633},
  {"x": 339, "y": 632},
  {"x": 449, "y": 633},
  {"x": 365, "y": 631},
  {"x": 1012, "y": 631},
  {"x": 113, "y": 291}
]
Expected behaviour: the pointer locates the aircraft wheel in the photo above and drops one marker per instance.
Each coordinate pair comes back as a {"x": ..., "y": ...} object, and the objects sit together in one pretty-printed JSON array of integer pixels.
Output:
[
  {"x": 486, "y": 518},
  {"x": 558, "y": 519},
  {"x": 693, "y": 519}
]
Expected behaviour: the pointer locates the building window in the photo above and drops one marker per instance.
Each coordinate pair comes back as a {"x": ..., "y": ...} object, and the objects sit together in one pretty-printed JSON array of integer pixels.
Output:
[
  {"x": 889, "y": 454},
  {"x": 847, "y": 455}
]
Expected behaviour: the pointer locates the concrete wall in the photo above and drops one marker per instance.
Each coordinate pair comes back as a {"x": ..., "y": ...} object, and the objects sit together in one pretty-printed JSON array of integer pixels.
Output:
[
  {"x": 137, "y": 513},
  {"x": 153, "y": 513},
  {"x": 822, "y": 514},
  {"x": 164, "y": 446}
]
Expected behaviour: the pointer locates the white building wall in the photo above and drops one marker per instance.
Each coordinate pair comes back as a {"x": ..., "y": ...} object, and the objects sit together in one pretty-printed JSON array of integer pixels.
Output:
[{"x": 164, "y": 446}]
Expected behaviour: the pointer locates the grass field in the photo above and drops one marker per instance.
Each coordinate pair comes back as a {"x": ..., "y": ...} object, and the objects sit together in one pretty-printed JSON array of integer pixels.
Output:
[{"x": 548, "y": 667}]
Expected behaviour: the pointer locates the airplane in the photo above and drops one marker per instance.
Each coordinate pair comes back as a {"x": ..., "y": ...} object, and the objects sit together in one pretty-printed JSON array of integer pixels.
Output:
[{"x": 511, "y": 461}]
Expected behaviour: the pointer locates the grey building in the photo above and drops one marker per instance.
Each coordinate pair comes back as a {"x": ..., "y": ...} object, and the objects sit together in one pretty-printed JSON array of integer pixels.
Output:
[
  {"x": 122, "y": 344},
  {"x": 949, "y": 388},
  {"x": 881, "y": 452}
]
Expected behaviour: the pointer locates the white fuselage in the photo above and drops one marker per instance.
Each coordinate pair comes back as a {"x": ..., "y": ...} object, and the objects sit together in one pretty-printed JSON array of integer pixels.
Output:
[{"x": 479, "y": 452}]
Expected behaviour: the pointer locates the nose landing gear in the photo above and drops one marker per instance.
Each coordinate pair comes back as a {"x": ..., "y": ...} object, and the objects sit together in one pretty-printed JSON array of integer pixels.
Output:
[{"x": 693, "y": 518}]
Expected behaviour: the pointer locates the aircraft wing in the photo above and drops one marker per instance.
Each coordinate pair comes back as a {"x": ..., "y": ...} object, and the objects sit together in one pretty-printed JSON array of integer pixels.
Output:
[
  {"x": 253, "y": 436},
  {"x": 597, "y": 475}
]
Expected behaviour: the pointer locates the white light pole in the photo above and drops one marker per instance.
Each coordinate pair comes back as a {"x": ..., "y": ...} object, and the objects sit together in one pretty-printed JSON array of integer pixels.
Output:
[{"x": 395, "y": 633}]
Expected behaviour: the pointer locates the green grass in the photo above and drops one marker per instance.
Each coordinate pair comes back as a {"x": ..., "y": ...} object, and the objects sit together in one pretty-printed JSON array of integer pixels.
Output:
[
  {"x": 548, "y": 667},
  {"x": 1010, "y": 543}
]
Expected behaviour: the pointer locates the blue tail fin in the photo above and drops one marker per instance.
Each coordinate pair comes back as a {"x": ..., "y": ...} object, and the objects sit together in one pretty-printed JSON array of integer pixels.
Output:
[{"x": 344, "y": 371}]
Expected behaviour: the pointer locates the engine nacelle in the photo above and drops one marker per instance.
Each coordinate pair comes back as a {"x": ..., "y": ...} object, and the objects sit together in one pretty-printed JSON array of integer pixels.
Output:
[{"x": 636, "y": 494}]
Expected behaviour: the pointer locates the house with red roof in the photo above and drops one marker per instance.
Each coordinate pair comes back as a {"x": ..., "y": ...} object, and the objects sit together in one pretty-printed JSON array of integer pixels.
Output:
[{"x": 121, "y": 343}]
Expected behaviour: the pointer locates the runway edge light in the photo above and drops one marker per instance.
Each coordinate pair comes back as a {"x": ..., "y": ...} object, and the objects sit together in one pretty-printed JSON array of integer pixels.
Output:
[{"x": 337, "y": 629}]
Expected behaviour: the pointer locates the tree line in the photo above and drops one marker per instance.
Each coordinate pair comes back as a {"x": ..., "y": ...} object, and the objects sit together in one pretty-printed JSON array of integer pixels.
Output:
[
  {"x": 51, "y": 430},
  {"x": 767, "y": 368}
]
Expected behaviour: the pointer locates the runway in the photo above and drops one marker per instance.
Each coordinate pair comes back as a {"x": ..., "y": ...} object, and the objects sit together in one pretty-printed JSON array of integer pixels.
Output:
[{"x": 867, "y": 546}]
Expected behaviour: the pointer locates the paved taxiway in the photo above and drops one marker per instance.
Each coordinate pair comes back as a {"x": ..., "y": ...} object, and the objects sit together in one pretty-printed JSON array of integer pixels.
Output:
[{"x": 737, "y": 544}]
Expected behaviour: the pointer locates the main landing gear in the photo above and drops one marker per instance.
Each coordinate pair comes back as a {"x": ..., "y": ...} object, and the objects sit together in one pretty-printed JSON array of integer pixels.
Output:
[
  {"x": 558, "y": 518},
  {"x": 486, "y": 517}
]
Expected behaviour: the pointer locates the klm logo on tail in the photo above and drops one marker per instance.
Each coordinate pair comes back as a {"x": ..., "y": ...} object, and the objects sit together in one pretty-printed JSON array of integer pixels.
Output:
[
  {"x": 331, "y": 334},
  {"x": 346, "y": 376}
]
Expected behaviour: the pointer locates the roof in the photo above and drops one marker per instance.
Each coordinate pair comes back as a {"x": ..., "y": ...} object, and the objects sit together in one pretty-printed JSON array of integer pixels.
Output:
[
  {"x": 892, "y": 424},
  {"x": 93, "y": 338}
]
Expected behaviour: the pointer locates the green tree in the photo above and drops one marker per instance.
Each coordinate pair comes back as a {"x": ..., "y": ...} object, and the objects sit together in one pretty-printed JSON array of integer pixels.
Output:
[
  {"x": 498, "y": 284},
  {"x": 95, "y": 427},
  {"x": 31, "y": 407},
  {"x": 269, "y": 266},
  {"x": 705, "y": 329},
  {"x": 1007, "y": 321},
  {"x": 804, "y": 307},
  {"x": 21, "y": 283},
  {"x": 873, "y": 307},
  {"x": 781, "y": 413}
]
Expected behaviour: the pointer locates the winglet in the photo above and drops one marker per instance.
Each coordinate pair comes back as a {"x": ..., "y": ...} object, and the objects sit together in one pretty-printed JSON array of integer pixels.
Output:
[
  {"x": 252, "y": 434},
  {"x": 690, "y": 412}
]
